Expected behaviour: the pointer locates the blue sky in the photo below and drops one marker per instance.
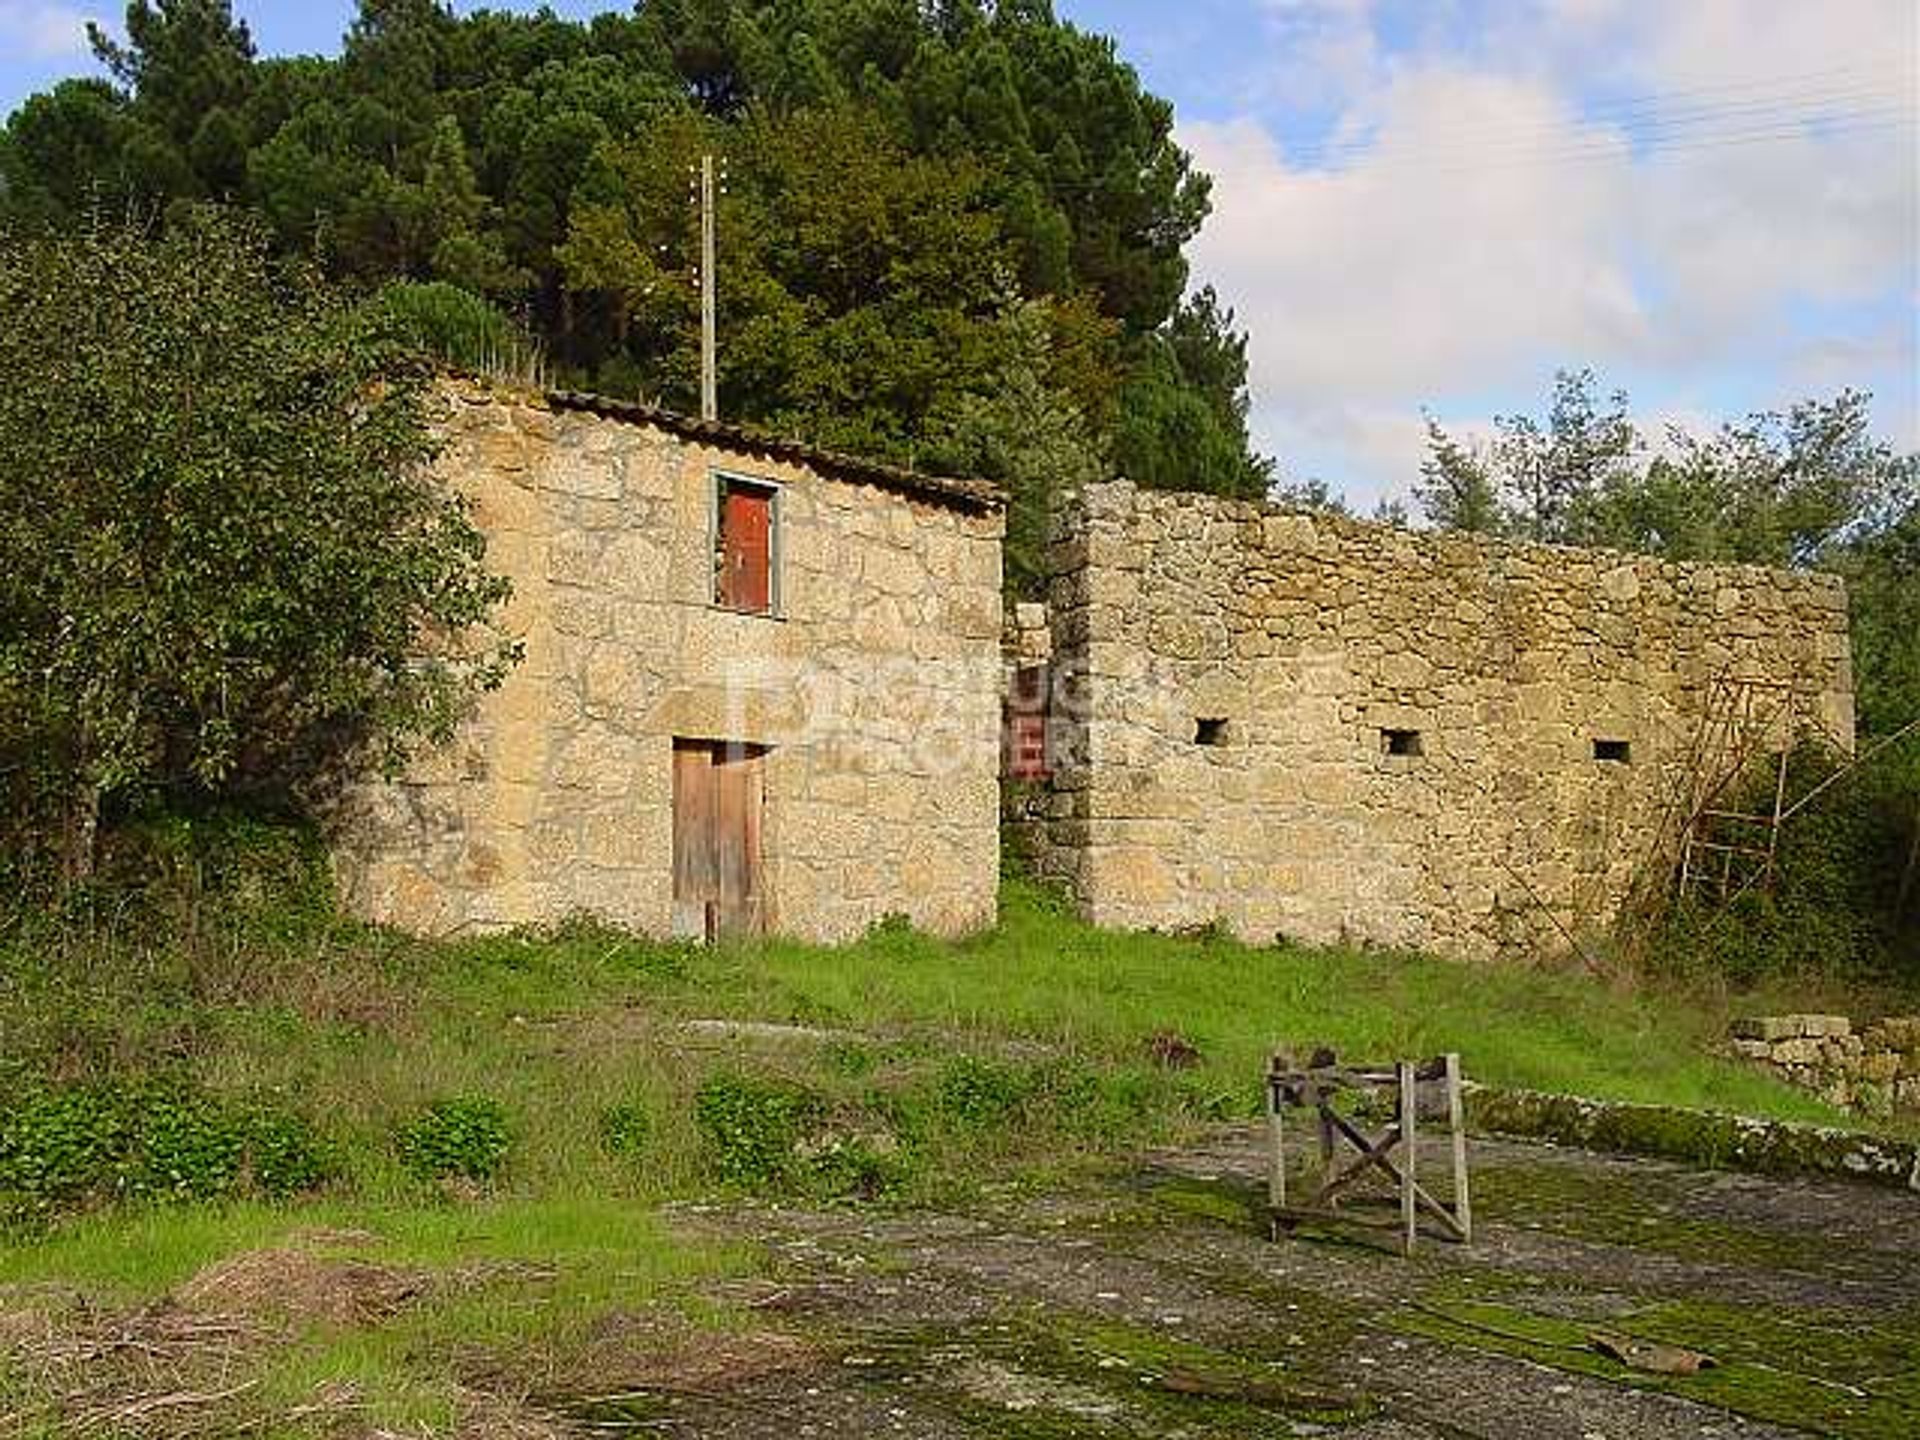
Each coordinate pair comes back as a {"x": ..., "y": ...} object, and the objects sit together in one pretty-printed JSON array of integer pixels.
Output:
[{"x": 1428, "y": 205}]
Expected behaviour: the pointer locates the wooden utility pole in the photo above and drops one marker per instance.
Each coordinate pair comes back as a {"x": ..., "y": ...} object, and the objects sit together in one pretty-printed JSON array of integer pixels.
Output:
[{"x": 709, "y": 342}]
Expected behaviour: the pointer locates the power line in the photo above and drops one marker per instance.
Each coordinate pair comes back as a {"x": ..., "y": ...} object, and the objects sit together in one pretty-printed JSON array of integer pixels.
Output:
[
  {"x": 1813, "y": 108},
  {"x": 1622, "y": 149}
]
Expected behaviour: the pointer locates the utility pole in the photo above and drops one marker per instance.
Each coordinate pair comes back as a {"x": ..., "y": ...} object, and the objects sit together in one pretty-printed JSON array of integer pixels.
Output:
[{"x": 709, "y": 342}]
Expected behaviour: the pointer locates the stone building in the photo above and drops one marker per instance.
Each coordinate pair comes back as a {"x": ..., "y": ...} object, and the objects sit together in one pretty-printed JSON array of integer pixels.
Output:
[
  {"x": 760, "y": 689},
  {"x": 1309, "y": 726}
]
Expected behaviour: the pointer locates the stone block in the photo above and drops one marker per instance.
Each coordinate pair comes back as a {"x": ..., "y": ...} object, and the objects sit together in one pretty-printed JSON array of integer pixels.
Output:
[
  {"x": 1895, "y": 1033},
  {"x": 575, "y": 472},
  {"x": 1766, "y": 1027},
  {"x": 1801, "y": 1050},
  {"x": 1878, "y": 1066}
]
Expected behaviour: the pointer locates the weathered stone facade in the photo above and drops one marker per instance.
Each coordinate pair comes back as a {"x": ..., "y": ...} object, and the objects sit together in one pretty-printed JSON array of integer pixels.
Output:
[
  {"x": 875, "y": 685},
  {"x": 1875, "y": 1069},
  {"x": 1303, "y": 725}
]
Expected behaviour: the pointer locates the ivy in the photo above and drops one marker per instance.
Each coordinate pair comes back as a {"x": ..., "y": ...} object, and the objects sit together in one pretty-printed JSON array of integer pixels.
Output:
[
  {"x": 462, "y": 1137},
  {"x": 66, "y": 1148}
]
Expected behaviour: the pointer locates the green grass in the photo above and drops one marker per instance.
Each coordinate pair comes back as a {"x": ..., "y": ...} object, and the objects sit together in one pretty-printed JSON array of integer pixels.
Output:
[
  {"x": 361, "y": 1030},
  {"x": 1020, "y": 1054},
  {"x": 515, "y": 1284},
  {"x": 1044, "y": 976},
  {"x": 129, "y": 1256}
]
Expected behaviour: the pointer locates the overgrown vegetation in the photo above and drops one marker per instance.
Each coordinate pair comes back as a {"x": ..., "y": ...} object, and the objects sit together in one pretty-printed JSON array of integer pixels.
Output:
[
  {"x": 64, "y": 1147},
  {"x": 459, "y": 328},
  {"x": 210, "y": 1033},
  {"x": 225, "y": 567},
  {"x": 1838, "y": 905}
]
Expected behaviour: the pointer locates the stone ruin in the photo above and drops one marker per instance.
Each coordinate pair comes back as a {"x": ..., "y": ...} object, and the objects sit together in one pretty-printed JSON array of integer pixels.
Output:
[{"x": 1301, "y": 725}]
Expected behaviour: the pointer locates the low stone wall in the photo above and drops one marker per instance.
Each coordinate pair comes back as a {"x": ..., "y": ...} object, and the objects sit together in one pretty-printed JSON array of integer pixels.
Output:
[
  {"x": 1696, "y": 1137},
  {"x": 1875, "y": 1071}
]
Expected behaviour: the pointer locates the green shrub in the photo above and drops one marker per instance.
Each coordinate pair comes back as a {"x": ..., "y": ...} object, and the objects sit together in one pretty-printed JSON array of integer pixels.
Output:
[
  {"x": 267, "y": 873},
  {"x": 57, "y": 1147},
  {"x": 625, "y": 1129},
  {"x": 860, "y": 1167},
  {"x": 463, "y": 1137},
  {"x": 982, "y": 1092},
  {"x": 69, "y": 1147},
  {"x": 1836, "y": 903},
  {"x": 191, "y": 1148},
  {"x": 459, "y": 327},
  {"x": 264, "y": 450},
  {"x": 752, "y": 1126},
  {"x": 284, "y": 1155}
]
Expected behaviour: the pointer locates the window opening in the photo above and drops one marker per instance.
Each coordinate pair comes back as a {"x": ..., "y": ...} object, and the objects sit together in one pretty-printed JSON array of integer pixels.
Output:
[
  {"x": 743, "y": 545},
  {"x": 1401, "y": 742},
  {"x": 1210, "y": 730},
  {"x": 1617, "y": 752}
]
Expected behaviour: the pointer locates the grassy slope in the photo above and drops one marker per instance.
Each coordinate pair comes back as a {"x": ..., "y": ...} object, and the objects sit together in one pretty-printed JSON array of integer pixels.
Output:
[
  {"x": 358, "y": 1029},
  {"x": 1044, "y": 975}
]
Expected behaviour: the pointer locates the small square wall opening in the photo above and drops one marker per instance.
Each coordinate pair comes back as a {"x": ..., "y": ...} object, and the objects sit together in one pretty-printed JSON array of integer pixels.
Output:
[
  {"x": 1613, "y": 752},
  {"x": 1401, "y": 742},
  {"x": 1210, "y": 730}
]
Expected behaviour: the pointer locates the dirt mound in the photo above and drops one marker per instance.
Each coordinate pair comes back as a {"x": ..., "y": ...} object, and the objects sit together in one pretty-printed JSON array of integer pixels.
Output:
[
  {"x": 650, "y": 1351},
  {"x": 297, "y": 1284}
]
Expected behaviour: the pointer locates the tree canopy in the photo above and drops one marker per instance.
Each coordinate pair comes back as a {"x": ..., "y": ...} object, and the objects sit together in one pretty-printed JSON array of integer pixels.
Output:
[
  {"x": 897, "y": 169},
  {"x": 220, "y": 542},
  {"x": 1792, "y": 488}
]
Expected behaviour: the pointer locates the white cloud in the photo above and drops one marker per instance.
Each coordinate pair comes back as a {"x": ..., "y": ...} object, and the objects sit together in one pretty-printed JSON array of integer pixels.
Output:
[
  {"x": 1325, "y": 52},
  {"x": 37, "y": 30},
  {"x": 1468, "y": 226}
]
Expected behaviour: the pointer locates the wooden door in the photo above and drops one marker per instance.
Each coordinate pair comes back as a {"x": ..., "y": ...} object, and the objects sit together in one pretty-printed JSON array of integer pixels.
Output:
[{"x": 718, "y": 796}]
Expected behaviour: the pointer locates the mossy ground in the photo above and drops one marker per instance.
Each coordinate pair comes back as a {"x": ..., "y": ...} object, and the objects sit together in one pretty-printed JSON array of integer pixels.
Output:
[
  {"x": 1332, "y": 1329},
  {"x": 1130, "y": 1299},
  {"x": 1002, "y": 1076}
]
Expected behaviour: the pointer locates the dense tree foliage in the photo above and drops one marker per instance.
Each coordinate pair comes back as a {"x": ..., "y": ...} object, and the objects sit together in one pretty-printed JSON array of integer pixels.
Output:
[
  {"x": 220, "y": 544},
  {"x": 1793, "y": 489},
  {"x": 896, "y": 169}
]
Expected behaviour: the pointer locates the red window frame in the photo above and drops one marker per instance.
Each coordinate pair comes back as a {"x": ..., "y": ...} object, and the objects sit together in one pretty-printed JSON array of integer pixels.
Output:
[{"x": 745, "y": 545}]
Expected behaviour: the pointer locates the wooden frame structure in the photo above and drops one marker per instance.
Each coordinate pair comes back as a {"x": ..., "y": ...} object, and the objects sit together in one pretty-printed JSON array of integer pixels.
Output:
[{"x": 1409, "y": 1090}]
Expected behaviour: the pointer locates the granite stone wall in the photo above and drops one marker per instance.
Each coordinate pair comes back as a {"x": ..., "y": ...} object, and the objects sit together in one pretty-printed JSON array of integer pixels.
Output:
[
  {"x": 1874, "y": 1069},
  {"x": 876, "y": 687},
  {"x": 1303, "y": 725}
]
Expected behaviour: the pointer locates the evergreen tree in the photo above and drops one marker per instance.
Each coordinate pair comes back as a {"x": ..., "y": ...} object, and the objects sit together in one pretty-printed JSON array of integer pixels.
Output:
[{"x": 478, "y": 150}]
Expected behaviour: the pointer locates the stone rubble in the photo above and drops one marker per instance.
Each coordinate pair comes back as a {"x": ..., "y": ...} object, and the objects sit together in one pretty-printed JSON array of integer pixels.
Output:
[{"x": 1875, "y": 1070}]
